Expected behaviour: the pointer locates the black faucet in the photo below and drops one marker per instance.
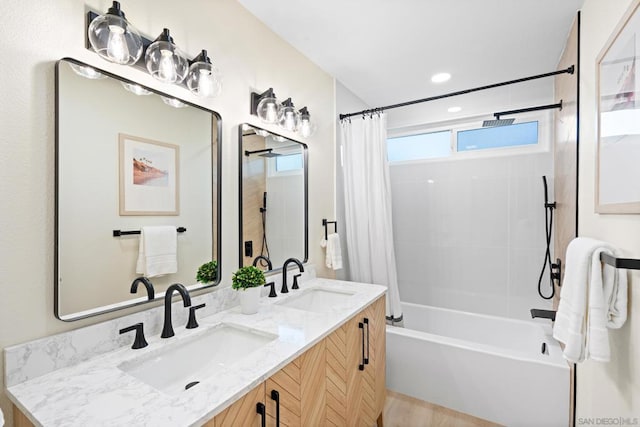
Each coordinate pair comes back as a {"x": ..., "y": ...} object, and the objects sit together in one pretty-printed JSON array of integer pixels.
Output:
[
  {"x": 543, "y": 314},
  {"x": 147, "y": 284},
  {"x": 167, "y": 330},
  {"x": 284, "y": 289},
  {"x": 264, "y": 258}
]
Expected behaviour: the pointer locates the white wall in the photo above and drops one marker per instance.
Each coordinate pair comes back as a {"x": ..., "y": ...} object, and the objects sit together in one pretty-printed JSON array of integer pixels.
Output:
[
  {"x": 606, "y": 390},
  {"x": 36, "y": 34},
  {"x": 470, "y": 234}
]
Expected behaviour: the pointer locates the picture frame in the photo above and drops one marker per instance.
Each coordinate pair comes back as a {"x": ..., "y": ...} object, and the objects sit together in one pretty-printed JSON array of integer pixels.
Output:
[
  {"x": 618, "y": 145},
  {"x": 149, "y": 177}
]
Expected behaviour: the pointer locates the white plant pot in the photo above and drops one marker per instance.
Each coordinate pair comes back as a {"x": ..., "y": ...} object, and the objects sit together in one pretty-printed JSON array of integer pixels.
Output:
[{"x": 249, "y": 299}]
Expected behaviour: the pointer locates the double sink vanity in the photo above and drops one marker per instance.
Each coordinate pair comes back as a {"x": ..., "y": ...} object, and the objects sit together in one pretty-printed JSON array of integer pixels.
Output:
[{"x": 312, "y": 357}]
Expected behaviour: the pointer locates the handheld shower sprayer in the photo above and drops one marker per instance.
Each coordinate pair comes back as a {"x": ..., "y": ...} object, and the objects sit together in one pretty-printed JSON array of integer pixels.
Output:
[
  {"x": 264, "y": 251},
  {"x": 548, "y": 223}
]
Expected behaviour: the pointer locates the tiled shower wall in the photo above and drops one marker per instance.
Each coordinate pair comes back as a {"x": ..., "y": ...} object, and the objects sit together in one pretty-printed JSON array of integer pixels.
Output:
[{"x": 470, "y": 234}]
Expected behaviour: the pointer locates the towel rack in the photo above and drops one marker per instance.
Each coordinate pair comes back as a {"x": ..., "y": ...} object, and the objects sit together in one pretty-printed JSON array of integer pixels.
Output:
[
  {"x": 628, "y": 263},
  {"x": 118, "y": 233},
  {"x": 325, "y": 223}
]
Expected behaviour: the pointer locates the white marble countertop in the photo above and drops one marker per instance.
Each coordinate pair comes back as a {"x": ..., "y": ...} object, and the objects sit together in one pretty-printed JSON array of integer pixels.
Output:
[{"x": 97, "y": 392}]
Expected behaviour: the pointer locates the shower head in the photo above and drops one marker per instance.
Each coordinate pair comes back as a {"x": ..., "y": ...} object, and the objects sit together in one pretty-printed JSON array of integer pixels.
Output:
[
  {"x": 267, "y": 152},
  {"x": 497, "y": 122},
  {"x": 270, "y": 154}
]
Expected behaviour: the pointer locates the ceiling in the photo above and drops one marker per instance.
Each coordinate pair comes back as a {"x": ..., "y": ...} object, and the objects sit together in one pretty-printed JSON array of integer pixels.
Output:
[{"x": 385, "y": 51}]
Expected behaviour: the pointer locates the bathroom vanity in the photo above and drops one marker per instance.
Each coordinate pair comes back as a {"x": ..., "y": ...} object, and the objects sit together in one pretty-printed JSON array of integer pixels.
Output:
[{"x": 314, "y": 356}]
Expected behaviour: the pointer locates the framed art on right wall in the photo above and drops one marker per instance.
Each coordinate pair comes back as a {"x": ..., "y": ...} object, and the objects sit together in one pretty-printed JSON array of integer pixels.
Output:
[{"x": 618, "y": 155}]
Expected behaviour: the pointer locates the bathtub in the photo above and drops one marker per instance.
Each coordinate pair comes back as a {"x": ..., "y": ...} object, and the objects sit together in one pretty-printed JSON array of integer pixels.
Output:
[{"x": 489, "y": 367}]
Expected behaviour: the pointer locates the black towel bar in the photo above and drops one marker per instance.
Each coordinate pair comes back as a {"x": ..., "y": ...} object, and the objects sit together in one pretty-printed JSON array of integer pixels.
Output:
[
  {"x": 628, "y": 263},
  {"x": 118, "y": 233},
  {"x": 325, "y": 223}
]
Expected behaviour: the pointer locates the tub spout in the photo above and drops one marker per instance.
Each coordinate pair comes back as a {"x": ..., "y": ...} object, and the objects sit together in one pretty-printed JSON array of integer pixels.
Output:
[{"x": 543, "y": 314}]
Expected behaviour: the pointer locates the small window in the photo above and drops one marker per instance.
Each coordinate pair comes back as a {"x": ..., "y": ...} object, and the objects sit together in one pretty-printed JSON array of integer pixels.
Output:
[
  {"x": 289, "y": 162},
  {"x": 498, "y": 136},
  {"x": 422, "y": 146}
]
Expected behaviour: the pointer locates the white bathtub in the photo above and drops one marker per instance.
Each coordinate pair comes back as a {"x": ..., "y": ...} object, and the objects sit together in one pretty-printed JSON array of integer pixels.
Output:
[{"x": 486, "y": 366}]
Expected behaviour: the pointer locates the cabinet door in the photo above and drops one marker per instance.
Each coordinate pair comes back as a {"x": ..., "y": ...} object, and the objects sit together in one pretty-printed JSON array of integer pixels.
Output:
[
  {"x": 373, "y": 381},
  {"x": 300, "y": 388},
  {"x": 375, "y": 314},
  {"x": 241, "y": 413},
  {"x": 344, "y": 357}
]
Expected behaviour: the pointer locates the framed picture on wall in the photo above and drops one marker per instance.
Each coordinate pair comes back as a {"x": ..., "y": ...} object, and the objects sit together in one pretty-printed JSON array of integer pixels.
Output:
[
  {"x": 618, "y": 157},
  {"x": 149, "y": 177}
]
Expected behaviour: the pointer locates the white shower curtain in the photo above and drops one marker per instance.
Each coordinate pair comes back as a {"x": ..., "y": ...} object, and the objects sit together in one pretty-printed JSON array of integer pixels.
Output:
[{"x": 367, "y": 195}]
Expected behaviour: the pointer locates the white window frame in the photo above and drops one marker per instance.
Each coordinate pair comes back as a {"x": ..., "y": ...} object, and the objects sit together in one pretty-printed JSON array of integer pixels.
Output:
[{"x": 545, "y": 129}]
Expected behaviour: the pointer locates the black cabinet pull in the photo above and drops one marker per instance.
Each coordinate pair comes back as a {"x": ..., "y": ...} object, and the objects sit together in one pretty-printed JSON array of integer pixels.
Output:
[
  {"x": 366, "y": 359},
  {"x": 361, "y": 326},
  {"x": 260, "y": 409},
  {"x": 276, "y": 396}
]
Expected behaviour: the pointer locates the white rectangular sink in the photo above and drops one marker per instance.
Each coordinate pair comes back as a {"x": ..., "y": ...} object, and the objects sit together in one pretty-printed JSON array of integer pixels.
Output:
[
  {"x": 317, "y": 300},
  {"x": 172, "y": 368}
]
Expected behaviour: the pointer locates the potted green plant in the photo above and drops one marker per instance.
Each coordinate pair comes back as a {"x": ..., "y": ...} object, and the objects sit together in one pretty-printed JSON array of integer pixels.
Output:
[
  {"x": 249, "y": 282},
  {"x": 208, "y": 272}
]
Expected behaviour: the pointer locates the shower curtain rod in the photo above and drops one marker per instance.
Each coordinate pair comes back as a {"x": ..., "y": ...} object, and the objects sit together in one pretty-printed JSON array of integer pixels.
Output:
[{"x": 569, "y": 70}]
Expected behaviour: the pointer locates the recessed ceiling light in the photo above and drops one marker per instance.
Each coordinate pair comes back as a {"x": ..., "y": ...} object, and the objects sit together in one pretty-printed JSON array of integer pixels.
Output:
[
  {"x": 440, "y": 77},
  {"x": 454, "y": 109}
]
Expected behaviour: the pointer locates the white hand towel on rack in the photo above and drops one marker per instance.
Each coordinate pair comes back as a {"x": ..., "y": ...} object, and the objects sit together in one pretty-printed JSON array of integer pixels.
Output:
[
  {"x": 593, "y": 298},
  {"x": 333, "y": 255},
  {"x": 158, "y": 251}
]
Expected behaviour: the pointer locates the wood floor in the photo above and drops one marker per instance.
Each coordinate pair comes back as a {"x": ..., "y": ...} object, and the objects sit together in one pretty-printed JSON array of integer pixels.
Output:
[{"x": 405, "y": 411}]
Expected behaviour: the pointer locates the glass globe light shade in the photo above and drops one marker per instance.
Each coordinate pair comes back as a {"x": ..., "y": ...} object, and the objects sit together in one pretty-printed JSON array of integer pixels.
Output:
[
  {"x": 165, "y": 61},
  {"x": 306, "y": 127},
  {"x": 114, "y": 39},
  {"x": 288, "y": 117},
  {"x": 204, "y": 80},
  {"x": 268, "y": 109}
]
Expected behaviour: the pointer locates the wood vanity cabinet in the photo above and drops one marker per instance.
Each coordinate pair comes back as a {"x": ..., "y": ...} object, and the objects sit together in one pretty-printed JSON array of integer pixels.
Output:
[
  {"x": 243, "y": 412},
  {"x": 338, "y": 382},
  {"x": 295, "y": 395}
]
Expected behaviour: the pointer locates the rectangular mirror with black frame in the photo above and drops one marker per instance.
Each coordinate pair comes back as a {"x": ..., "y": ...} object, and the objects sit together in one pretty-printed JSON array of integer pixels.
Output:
[
  {"x": 273, "y": 172},
  {"x": 130, "y": 158}
]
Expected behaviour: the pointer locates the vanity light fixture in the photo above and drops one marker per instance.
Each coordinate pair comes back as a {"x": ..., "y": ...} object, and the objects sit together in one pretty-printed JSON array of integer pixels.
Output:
[
  {"x": 114, "y": 38},
  {"x": 288, "y": 117},
  {"x": 165, "y": 61},
  {"x": 266, "y": 106},
  {"x": 204, "y": 80}
]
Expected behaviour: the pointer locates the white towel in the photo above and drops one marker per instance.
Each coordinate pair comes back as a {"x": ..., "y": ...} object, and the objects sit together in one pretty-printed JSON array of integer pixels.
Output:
[
  {"x": 593, "y": 298},
  {"x": 158, "y": 251},
  {"x": 333, "y": 255},
  {"x": 1, "y": 418}
]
